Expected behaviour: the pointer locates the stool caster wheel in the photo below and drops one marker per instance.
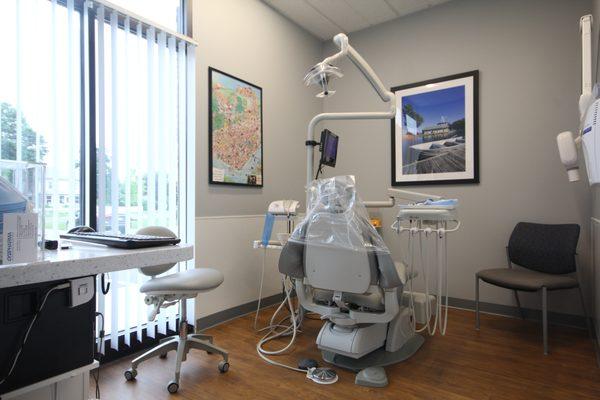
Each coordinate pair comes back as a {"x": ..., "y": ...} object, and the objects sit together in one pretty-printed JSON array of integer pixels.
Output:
[
  {"x": 163, "y": 356},
  {"x": 173, "y": 387},
  {"x": 223, "y": 366},
  {"x": 130, "y": 374}
]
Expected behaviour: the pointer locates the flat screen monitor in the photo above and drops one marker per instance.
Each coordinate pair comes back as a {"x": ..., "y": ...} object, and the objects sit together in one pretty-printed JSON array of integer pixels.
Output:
[{"x": 329, "y": 145}]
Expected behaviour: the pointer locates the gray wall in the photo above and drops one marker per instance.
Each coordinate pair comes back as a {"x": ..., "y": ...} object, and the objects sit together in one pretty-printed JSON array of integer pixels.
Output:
[
  {"x": 528, "y": 56},
  {"x": 251, "y": 41}
]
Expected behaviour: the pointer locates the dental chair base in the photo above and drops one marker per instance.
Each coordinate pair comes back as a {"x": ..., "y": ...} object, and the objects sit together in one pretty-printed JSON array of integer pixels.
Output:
[
  {"x": 369, "y": 345},
  {"x": 378, "y": 358}
]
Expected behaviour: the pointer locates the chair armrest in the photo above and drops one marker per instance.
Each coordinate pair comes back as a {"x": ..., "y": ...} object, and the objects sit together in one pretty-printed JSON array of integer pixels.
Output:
[
  {"x": 392, "y": 307},
  {"x": 403, "y": 272}
]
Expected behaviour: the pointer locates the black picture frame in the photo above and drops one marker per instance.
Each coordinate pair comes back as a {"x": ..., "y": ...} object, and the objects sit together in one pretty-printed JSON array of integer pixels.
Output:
[
  {"x": 474, "y": 75},
  {"x": 211, "y": 179}
]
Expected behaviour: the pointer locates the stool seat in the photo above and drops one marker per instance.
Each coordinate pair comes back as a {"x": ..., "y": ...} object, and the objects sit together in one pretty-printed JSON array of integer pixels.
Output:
[{"x": 194, "y": 280}]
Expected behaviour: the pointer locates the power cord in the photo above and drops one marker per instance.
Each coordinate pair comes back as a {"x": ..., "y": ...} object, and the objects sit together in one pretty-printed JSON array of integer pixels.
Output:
[
  {"x": 28, "y": 331},
  {"x": 104, "y": 287},
  {"x": 99, "y": 353},
  {"x": 287, "y": 330},
  {"x": 319, "y": 170},
  {"x": 260, "y": 290}
]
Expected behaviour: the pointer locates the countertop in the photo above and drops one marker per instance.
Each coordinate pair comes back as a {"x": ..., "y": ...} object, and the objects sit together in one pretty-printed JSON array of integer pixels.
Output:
[{"x": 89, "y": 259}]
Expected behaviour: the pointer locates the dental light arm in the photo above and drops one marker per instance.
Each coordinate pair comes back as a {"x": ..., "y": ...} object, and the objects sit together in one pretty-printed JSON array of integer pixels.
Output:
[
  {"x": 346, "y": 50},
  {"x": 341, "y": 41},
  {"x": 586, "y": 98}
]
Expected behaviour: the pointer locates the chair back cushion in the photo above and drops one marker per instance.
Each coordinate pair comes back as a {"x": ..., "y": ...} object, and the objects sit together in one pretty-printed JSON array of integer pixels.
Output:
[
  {"x": 335, "y": 247},
  {"x": 156, "y": 231},
  {"x": 338, "y": 268},
  {"x": 544, "y": 248}
]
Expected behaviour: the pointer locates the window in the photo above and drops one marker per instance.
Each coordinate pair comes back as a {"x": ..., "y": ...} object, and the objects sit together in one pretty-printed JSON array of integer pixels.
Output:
[
  {"x": 107, "y": 102},
  {"x": 40, "y": 94}
]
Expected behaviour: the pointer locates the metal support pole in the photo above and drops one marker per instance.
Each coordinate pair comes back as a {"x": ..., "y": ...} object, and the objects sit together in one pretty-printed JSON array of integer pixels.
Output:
[
  {"x": 545, "y": 318},
  {"x": 476, "y": 302}
]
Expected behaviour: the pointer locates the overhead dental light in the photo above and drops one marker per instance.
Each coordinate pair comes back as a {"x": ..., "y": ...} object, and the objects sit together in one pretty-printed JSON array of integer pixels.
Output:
[{"x": 321, "y": 74}]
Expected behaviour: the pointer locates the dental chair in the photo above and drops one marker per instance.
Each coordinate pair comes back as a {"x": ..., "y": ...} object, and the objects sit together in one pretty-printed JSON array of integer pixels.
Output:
[{"x": 343, "y": 271}]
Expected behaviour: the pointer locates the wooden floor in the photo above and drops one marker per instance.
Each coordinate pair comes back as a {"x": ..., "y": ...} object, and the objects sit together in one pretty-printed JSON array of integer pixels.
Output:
[{"x": 502, "y": 361}]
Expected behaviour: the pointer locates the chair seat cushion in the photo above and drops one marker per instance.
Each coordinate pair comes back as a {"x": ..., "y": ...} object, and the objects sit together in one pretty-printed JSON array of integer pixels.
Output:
[
  {"x": 194, "y": 280},
  {"x": 521, "y": 279}
]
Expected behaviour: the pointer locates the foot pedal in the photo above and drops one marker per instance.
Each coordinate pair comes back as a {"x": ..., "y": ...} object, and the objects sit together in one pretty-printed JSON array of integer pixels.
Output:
[{"x": 307, "y": 363}]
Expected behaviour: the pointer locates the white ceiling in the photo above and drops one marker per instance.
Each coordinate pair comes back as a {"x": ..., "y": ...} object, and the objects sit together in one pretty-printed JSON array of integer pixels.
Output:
[{"x": 326, "y": 18}]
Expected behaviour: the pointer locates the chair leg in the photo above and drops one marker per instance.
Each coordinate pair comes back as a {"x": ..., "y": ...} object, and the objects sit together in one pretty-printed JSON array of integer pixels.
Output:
[
  {"x": 202, "y": 337},
  {"x": 545, "y": 318},
  {"x": 156, "y": 351},
  {"x": 182, "y": 350},
  {"x": 519, "y": 304},
  {"x": 587, "y": 319},
  {"x": 199, "y": 344},
  {"x": 476, "y": 302}
]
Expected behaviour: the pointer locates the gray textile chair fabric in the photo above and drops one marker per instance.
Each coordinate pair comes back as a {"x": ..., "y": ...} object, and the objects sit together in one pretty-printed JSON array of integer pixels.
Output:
[{"x": 546, "y": 254}]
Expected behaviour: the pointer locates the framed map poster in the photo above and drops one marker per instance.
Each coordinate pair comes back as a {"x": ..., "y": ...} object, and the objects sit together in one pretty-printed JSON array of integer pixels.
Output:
[{"x": 234, "y": 131}]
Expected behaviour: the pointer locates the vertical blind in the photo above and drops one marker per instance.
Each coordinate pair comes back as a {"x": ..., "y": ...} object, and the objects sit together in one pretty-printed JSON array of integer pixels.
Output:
[{"x": 144, "y": 134}]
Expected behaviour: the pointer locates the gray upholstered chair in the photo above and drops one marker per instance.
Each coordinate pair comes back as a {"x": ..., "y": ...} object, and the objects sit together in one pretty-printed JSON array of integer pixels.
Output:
[
  {"x": 547, "y": 255},
  {"x": 176, "y": 288}
]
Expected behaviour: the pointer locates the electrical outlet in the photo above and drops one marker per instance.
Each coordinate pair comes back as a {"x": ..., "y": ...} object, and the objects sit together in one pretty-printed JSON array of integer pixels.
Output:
[{"x": 82, "y": 290}]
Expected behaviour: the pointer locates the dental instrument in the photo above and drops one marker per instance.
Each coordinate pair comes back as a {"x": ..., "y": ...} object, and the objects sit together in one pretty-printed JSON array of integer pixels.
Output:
[
  {"x": 428, "y": 215},
  {"x": 278, "y": 209}
]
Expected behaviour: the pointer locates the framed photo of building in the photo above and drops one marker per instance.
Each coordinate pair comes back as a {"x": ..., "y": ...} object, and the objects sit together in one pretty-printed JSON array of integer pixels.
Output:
[
  {"x": 235, "y": 131},
  {"x": 435, "y": 131}
]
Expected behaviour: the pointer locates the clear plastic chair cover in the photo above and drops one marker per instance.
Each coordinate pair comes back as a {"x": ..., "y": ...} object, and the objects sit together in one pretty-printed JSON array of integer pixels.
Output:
[{"x": 337, "y": 217}]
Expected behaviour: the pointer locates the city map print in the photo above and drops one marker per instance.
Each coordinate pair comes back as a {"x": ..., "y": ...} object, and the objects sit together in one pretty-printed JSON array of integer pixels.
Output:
[{"x": 235, "y": 130}]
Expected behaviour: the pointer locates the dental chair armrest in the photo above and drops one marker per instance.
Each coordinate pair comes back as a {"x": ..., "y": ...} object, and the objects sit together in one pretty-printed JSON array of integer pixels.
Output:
[
  {"x": 403, "y": 273},
  {"x": 304, "y": 294},
  {"x": 390, "y": 297},
  {"x": 392, "y": 307}
]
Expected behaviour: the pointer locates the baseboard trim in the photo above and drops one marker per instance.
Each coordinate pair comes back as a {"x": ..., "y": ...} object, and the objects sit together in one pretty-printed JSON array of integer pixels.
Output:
[
  {"x": 236, "y": 312},
  {"x": 575, "y": 321}
]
